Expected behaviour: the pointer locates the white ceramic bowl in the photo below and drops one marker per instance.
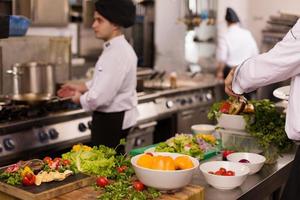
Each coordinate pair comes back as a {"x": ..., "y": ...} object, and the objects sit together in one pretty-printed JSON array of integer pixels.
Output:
[
  {"x": 256, "y": 160},
  {"x": 203, "y": 128},
  {"x": 231, "y": 122},
  {"x": 224, "y": 182},
  {"x": 164, "y": 179}
]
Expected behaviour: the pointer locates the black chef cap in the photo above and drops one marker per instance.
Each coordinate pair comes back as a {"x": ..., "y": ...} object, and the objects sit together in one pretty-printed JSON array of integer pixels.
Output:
[
  {"x": 120, "y": 12},
  {"x": 231, "y": 16}
]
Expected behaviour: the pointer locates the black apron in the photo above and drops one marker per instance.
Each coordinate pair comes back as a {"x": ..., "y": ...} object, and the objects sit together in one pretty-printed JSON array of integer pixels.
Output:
[
  {"x": 292, "y": 187},
  {"x": 107, "y": 129}
]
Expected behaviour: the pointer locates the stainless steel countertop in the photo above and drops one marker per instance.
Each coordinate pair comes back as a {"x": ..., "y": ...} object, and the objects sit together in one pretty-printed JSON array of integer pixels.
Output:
[{"x": 257, "y": 186}]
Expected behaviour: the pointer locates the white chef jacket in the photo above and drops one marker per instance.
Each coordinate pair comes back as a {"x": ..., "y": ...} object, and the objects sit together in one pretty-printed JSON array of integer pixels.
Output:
[
  {"x": 280, "y": 63},
  {"x": 236, "y": 45},
  {"x": 113, "y": 87}
]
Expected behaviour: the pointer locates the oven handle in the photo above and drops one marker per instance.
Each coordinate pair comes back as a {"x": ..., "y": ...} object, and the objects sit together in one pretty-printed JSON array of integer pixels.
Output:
[
  {"x": 187, "y": 113},
  {"x": 147, "y": 125}
]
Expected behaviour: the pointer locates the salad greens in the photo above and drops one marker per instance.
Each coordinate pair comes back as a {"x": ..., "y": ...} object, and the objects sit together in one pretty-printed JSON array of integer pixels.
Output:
[
  {"x": 94, "y": 161},
  {"x": 186, "y": 144},
  {"x": 13, "y": 178}
]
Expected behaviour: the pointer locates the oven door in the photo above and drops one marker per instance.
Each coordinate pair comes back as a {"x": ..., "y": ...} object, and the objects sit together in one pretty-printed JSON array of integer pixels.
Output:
[
  {"x": 140, "y": 136},
  {"x": 189, "y": 117}
]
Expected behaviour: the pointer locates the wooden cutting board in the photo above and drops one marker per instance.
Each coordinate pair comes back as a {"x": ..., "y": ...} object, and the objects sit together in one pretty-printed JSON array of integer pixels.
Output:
[
  {"x": 190, "y": 192},
  {"x": 45, "y": 190}
]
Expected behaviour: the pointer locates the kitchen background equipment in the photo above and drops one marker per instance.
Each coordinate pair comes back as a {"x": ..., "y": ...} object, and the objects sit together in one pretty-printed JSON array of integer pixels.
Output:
[
  {"x": 41, "y": 12},
  {"x": 44, "y": 49},
  {"x": 33, "y": 82}
]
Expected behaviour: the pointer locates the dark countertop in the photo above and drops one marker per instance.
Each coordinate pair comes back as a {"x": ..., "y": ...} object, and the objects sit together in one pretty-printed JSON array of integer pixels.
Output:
[{"x": 257, "y": 186}]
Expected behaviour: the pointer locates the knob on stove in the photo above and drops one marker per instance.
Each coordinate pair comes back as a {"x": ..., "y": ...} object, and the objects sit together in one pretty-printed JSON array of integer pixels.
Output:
[
  {"x": 9, "y": 144},
  {"x": 90, "y": 124},
  {"x": 53, "y": 133},
  {"x": 43, "y": 136},
  {"x": 82, "y": 127}
]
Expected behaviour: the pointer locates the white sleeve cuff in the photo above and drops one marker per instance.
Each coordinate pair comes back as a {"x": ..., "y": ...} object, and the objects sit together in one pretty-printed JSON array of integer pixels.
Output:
[
  {"x": 88, "y": 84},
  {"x": 83, "y": 102},
  {"x": 236, "y": 88}
]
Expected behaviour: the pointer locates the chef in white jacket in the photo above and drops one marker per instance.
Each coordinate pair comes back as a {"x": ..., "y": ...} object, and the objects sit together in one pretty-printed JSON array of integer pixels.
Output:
[
  {"x": 234, "y": 46},
  {"x": 280, "y": 63},
  {"x": 111, "y": 94}
]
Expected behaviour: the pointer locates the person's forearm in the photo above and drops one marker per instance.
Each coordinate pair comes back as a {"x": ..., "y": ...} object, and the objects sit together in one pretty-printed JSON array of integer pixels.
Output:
[{"x": 280, "y": 63}]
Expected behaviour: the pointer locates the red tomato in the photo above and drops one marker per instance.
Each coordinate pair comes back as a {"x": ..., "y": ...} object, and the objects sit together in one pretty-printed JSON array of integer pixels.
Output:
[
  {"x": 121, "y": 169},
  {"x": 226, "y": 153},
  {"x": 102, "y": 181},
  {"x": 28, "y": 179},
  {"x": 66, "y": 162},
  {"x": 47, "y": 159},
  {"x": 12, "y": 168},
  {"x": 225, "y": 107},
  {"x": 138, "y": 185},
  {"x": 230, "y": 173},
  {"x": 220, "y": 173},
  {"x": 222, "y": 170},
  {"x": 148, "y": 153},
  {"x": 57, "y": 159}
]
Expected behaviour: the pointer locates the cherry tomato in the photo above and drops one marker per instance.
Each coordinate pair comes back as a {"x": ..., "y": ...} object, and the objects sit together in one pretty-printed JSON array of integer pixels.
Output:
[
  {"x": 28, "y": 179},
  {"x": 138, "y": 185},
  {"x": 225, "y": 107},
  {"x": 220, "y": 173},
  {"x": 226, "y": 153},
  {"x": 53, "y": 164},
  {"x": 230, "y": 173},
  {"x": 148, "y": 153},
  {"x": 222, "y": 170},
  {"x": 57, "y": 159},
  {"x": 47, "y": 159},
  {"x": 102, "y": 181},
  {"x": 121, "y": 169},
  {"x": 66, "y": 162}
]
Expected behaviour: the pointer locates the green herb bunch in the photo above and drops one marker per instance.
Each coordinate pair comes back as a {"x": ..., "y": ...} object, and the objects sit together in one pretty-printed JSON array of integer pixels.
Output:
[{"x": 268, "y": 126}]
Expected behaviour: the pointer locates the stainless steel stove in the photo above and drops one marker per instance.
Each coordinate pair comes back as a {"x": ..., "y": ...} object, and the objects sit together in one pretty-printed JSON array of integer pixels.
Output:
[{"x": 26, "y": 130}]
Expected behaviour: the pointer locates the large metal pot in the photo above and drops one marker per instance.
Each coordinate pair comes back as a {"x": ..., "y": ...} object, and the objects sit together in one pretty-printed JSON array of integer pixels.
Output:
[{"x": 33, "y": 82}]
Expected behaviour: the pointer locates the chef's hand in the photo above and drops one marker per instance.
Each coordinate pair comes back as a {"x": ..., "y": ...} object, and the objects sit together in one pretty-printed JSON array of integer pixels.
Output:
[
  {"x": 228, "y": 83},
  {"x": 69, "y": 89},
  {"x": 76, "y": 97},
  {"x": 65, "y": 92}
]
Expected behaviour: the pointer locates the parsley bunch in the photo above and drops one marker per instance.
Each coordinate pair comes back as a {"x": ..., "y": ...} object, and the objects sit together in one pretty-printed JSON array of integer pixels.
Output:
[{"x": 268, "y": 126}]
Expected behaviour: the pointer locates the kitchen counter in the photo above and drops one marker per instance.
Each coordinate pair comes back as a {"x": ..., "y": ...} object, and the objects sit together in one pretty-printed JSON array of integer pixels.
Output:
[
  {"x": 268, "y": 181},
  {"x": 184, "y": 85}
]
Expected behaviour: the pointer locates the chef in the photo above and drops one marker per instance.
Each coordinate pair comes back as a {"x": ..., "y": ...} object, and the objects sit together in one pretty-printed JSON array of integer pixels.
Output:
[
  {"x": 111, "y": 94},
  {"x": 234, "y": 46},
  {"x": 280, "y": 63}
]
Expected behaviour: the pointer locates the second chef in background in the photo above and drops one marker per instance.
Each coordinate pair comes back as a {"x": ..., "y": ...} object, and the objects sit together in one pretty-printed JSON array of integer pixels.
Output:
[
  {"x": 234, "y": 46},
  {"x": 111, "y": 94}
]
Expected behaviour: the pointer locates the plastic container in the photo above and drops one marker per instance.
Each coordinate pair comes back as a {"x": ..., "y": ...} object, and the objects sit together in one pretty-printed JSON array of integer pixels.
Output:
[
  {"x": 239, "y": 141},
  {"x": 18, "y": 25}
]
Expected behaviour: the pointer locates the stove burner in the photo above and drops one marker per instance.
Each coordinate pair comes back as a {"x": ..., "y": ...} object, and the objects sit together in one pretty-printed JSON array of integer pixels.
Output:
[{"x": 15, "y": 112}]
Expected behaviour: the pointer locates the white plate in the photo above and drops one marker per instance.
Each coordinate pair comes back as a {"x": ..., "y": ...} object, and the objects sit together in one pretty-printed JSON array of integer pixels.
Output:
[
  {"x": 150, "y": 150},
  {"x": 282, "y": 92}
]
